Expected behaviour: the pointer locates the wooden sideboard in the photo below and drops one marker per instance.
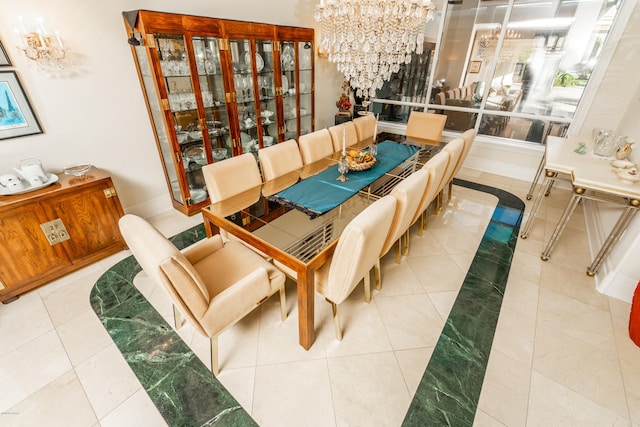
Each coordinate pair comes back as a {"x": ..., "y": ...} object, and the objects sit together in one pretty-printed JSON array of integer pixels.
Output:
[{"x": 47, "y": 233}]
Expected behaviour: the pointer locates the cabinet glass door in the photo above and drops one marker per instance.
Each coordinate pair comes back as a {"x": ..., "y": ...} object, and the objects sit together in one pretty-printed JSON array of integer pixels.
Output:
[
  {"x": 213, "y": 95},
  {"x": 242, "y": 64},
  {"x": 305, "y": 87},
  {"x": 266, "y": 90},
  {"x": 289, "y": 85},
  {"x": 182, "y": 102},
  {"x": 156, "y": 112}
]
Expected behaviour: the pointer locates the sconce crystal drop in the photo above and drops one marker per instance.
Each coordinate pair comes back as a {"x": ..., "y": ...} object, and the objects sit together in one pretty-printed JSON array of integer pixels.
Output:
[{"x": 46, "y": 50}]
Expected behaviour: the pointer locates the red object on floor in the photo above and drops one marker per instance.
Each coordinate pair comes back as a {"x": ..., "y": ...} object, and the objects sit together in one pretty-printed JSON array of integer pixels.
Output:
[{"x": 634, "y": 319}]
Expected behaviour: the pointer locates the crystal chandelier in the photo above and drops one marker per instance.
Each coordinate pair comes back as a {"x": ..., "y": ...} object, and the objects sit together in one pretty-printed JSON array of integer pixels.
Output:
[{"x": 370, "y": 39}]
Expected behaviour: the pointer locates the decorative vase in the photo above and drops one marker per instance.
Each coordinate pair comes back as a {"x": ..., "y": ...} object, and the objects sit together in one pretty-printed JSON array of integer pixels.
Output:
[{"x": 623, "y": 152}]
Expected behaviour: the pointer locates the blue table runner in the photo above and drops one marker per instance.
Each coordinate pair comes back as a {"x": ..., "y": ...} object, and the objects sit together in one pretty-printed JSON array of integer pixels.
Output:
[{"x": 320, "y": 193}]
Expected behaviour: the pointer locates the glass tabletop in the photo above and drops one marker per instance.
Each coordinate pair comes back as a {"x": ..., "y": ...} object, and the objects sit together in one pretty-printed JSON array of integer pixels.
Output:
[{"x": 293, "y": 232}]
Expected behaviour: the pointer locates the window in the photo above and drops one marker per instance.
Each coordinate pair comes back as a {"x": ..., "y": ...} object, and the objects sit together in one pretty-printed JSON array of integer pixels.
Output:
[{"x": 512, "y": 69}]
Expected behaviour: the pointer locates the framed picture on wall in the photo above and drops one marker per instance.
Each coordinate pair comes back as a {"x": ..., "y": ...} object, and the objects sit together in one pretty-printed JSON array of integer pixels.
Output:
[
  {"x": 4, "y": 58},
  {"x": 16, "y": 115},
  {"x": 475, "y": 66}
]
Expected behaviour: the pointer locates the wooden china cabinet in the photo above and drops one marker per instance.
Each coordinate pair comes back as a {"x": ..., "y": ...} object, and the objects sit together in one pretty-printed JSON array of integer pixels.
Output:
[
  {"x": 219, "y": 88},
  {"x": 47, "y": 233}
]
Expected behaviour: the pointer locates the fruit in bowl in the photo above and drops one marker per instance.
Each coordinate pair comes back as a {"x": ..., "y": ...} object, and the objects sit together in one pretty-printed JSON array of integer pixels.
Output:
[{"x": 360, "y": 160}]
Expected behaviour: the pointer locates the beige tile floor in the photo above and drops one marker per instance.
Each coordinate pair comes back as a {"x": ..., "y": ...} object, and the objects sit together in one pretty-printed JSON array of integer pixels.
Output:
[{"x": 561, "y": 353}]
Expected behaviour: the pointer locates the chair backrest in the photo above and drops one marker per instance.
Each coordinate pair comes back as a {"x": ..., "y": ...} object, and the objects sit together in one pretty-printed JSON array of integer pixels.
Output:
[
  {"x": 279, "y": 159},
  {"x": 315, "y": 146},
  {"x": 454, "y": 148},
  {"x": 231, "y": 177},
  {"x": 347, "y": 131},
  {"x": 467, "y": 137},
  {"x": 441, "y": 98},
  {"x": 450, "y": 94},
  {"x": 152, "y": 250},
  {"x": 425, "y": 126},
  {"x": 359, "y": 248},
  {"x": 365, "y": 127},
  {"x": 457, "y": 93},
  {"x": 408, "y": 194},
  {"x": 436, "y": 168}
]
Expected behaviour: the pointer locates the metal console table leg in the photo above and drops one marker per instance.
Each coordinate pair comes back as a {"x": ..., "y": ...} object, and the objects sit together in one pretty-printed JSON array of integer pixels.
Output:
[
  {"x": 615, "y": 235},
  {"x": 568, "y": 211},
  {"x": 537, "y": 177},
  {"x": 543, "y": 191}
]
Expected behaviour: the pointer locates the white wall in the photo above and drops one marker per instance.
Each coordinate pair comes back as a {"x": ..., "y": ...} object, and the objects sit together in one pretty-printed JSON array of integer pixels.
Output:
[
  {"x": 616, "y": 105},
  {"x": 97, "y": 115}
]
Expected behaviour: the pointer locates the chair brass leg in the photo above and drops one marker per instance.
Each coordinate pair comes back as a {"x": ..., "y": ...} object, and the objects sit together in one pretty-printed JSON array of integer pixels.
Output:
[
  {"x": 450, "y": 188},
  {"x": 406, "y": 243},
  {"x": 283, "y": 303},
  {"x": 336, "y": 320},
  {"x": 214, "y": 356},
  {"x": 367, "y": 287},
  {"x": 425, "y": 220},
  {"x": 177, "y": 317},
  {"x": 377, "y": 272},
  {"x": 421, "y": 223},
  {"x": 399, "y": 251}
]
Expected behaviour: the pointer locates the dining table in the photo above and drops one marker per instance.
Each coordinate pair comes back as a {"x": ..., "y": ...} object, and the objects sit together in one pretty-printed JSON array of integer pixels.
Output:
[
  {"x": 591, "y": 177},
  {"x": 318, "y": 208}
]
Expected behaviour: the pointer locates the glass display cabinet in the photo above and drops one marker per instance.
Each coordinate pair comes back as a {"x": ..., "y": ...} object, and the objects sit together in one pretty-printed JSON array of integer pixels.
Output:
[{"x": 219, "y": 88}]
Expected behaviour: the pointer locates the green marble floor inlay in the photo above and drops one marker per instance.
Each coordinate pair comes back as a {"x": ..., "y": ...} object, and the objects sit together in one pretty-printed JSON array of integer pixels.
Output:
[
  {"x": 186, "y": 394},
  {"x": 450, "y": 387},
  {"x": 178, "y": 383}
]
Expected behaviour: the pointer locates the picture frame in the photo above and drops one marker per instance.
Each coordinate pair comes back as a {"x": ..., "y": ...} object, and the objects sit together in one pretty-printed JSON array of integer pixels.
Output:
[
  {"x": 16, "y": 115},
  {"x": 474, "y": 67},
  {"x": 4, "y": 58}
]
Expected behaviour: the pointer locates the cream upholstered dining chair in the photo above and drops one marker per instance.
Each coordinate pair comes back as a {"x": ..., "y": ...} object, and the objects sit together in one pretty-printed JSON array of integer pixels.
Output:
[
  {"x": 279, "y": 159},
  {"x": 468, "y": 137},
  {"x": 315, "y": 146},
  {"x": 436, "y": 168},
  {"x": 425, "y": 127},
  {"x": 346, "y": 131},
  {"x": 365, "y": 127},
  {"x": 213, "y": 283},
  {"x": 454, "y": 149},
  {"x": 408, "y": 194},
  {"x": 356, "y": 253},
  {"x": 231, "y": 177}
]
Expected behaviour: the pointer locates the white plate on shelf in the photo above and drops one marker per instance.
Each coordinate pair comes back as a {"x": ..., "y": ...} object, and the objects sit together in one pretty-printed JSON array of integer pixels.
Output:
[
  {"x": 259, "y": 60},
  {"x": 285, "y": 83},
  {"x": 28, "y": 187},
  {"x": 273, "y": 129}
]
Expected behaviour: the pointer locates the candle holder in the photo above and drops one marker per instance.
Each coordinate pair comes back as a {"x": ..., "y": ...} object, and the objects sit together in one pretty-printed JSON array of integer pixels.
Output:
[
  {"x": 343, "y": 168},
  {"x": 373, "y": 148}
]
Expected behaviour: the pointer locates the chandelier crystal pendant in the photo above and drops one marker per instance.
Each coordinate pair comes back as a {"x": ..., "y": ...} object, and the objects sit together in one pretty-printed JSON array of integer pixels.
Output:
[{"x": 369, "y": 39}]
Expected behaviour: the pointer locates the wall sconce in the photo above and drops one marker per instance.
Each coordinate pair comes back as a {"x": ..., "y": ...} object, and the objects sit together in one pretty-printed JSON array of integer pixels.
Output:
[{"x": 45, "y": 49}]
